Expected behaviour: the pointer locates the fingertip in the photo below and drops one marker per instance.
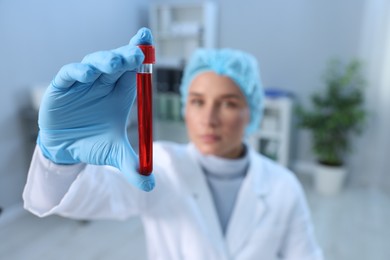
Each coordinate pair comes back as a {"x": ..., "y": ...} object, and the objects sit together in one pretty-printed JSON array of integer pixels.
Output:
[
  {"x": 128, "y": 165},
  {"x": 72, "y": 73},
  {"x": 113, "y": 64},
  {"x": 148, "y": 185},
  {"x": 145, "y": 182},
  {"x": 142, "y": 37},
  {"x": 132, "y": 56},
  {"x": 104, "y": 61},
  {"x": 89, "y": 75}
]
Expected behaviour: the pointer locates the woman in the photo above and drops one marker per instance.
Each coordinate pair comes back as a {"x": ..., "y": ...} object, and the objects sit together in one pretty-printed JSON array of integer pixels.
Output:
[{"x": 215, "y": 198}]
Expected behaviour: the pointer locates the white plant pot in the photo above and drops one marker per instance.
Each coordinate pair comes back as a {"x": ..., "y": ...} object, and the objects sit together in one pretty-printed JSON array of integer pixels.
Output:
[{"x": 329, "y": 180}]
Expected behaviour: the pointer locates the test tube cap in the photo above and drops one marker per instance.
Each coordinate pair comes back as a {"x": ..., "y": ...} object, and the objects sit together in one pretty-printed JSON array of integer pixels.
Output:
[{"x": 149, "y": 52}]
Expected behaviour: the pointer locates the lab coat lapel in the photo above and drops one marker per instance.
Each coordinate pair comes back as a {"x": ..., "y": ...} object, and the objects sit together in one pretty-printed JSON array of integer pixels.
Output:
[
  {"x": 249, "y": 208},
  {"x": 199, "y": 189}
]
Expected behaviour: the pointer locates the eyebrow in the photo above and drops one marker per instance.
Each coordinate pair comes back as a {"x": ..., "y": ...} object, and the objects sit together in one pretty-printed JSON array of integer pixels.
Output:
[{"x": 222, "y": 96}]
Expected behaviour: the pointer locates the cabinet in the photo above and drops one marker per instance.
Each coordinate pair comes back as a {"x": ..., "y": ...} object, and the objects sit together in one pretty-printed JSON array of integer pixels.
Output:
[
  {"x": 180, "y": 28},
  {"x": 273, "y": 136}
]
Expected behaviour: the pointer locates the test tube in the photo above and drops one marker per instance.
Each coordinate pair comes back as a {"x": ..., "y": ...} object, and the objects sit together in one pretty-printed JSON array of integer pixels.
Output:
[{"x": 145, "y": 116}]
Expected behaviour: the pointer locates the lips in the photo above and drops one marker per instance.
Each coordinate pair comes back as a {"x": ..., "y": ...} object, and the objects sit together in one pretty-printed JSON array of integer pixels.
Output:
[{"x": 210, "y": 138}]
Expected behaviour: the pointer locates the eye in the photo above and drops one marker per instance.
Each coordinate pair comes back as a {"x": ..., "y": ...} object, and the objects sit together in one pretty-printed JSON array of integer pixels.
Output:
[
  {"x": 229, "y": 104},
  {"x": 196, "y": 102}
]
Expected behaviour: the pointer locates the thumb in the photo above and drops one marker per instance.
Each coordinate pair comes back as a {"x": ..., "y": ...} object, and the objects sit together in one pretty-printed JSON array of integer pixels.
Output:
[{"x": 128, "y": 165}]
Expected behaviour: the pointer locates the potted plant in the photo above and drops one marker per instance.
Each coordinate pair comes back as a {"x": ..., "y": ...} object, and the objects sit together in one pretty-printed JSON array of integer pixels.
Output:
[{"x": 334, "y": 116}]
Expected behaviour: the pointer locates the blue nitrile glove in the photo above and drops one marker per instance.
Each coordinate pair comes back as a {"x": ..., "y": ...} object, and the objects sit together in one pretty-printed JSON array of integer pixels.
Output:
[{"x": 83, "y": 114}]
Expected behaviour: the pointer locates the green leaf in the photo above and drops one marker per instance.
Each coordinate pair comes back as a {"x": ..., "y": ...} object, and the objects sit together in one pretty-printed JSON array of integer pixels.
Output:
[{"x": 336, "y": 113}]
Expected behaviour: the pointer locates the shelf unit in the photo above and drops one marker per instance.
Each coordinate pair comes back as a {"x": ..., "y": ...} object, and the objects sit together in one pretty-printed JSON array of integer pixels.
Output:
[
  {"x": 273, "y": 136},
  {"x": 180, "y": 28}
]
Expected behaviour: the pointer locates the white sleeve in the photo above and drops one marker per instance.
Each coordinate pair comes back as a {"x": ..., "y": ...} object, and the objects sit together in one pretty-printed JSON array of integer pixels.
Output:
[
  {"x": 299, "y": 241},
  {"x": 78, "y": 191}
]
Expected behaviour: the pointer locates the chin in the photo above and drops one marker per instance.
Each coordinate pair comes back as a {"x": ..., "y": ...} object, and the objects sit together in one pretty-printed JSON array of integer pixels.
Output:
[
  {"x": 209, "y": 149},
  {"x": 218, "y": 149}
]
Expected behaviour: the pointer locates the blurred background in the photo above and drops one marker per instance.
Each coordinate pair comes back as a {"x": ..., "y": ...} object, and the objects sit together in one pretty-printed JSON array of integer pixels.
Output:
[{"x": 293, "y": 42}]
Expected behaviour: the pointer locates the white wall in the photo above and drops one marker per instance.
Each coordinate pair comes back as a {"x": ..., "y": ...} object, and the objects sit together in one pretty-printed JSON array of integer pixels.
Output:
[
  {"x": 36, "y": 39},
  {"x": 372, "y": 156}
]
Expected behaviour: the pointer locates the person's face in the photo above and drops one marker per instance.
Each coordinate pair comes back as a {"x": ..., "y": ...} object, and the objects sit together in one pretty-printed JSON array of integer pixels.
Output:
[{"x": 216, "y": 115}]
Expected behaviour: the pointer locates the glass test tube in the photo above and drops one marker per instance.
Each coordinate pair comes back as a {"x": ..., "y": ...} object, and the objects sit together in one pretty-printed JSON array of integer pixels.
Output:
[{"x": 145, "y": 116}]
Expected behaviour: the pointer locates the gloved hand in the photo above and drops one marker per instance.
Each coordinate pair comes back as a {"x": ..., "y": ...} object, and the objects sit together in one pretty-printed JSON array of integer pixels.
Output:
[{"x": 83, "y": 114}]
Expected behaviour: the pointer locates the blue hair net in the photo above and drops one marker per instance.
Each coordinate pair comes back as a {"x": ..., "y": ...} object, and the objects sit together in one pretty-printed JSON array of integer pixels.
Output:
[{"x": 239, "y": 66}]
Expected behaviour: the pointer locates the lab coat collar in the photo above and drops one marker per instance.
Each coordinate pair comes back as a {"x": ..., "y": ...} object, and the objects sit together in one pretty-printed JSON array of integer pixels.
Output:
[
  {"x": 199, "y": 189},
  {"x": 250, "y": 205},
  {"x": 249, "y": 208}
]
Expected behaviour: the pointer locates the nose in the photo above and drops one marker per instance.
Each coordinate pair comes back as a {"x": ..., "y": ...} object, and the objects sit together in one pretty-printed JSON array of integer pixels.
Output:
[{"x": 210, "y": 116}]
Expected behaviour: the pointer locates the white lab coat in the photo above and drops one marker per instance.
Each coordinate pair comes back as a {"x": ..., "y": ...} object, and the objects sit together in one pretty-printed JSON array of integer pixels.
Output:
[{"x": 270, "y": 219}]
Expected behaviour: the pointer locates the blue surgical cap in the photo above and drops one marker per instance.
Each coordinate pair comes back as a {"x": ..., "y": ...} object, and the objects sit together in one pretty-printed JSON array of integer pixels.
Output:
[{"x": 239, "y": 66}]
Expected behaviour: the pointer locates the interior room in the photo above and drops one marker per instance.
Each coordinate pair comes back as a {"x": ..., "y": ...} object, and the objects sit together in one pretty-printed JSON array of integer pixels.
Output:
[{"x": 294, "y": 43}]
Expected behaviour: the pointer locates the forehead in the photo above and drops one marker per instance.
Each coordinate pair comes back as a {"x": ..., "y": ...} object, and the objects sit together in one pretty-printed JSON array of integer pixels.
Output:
[{"x": 211, "y": 84}]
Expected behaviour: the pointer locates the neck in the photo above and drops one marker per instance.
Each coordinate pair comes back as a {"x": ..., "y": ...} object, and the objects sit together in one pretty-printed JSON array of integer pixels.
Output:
[
  {"x": 236, "y": 153},
  {"x": 222, "y": 166}
]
